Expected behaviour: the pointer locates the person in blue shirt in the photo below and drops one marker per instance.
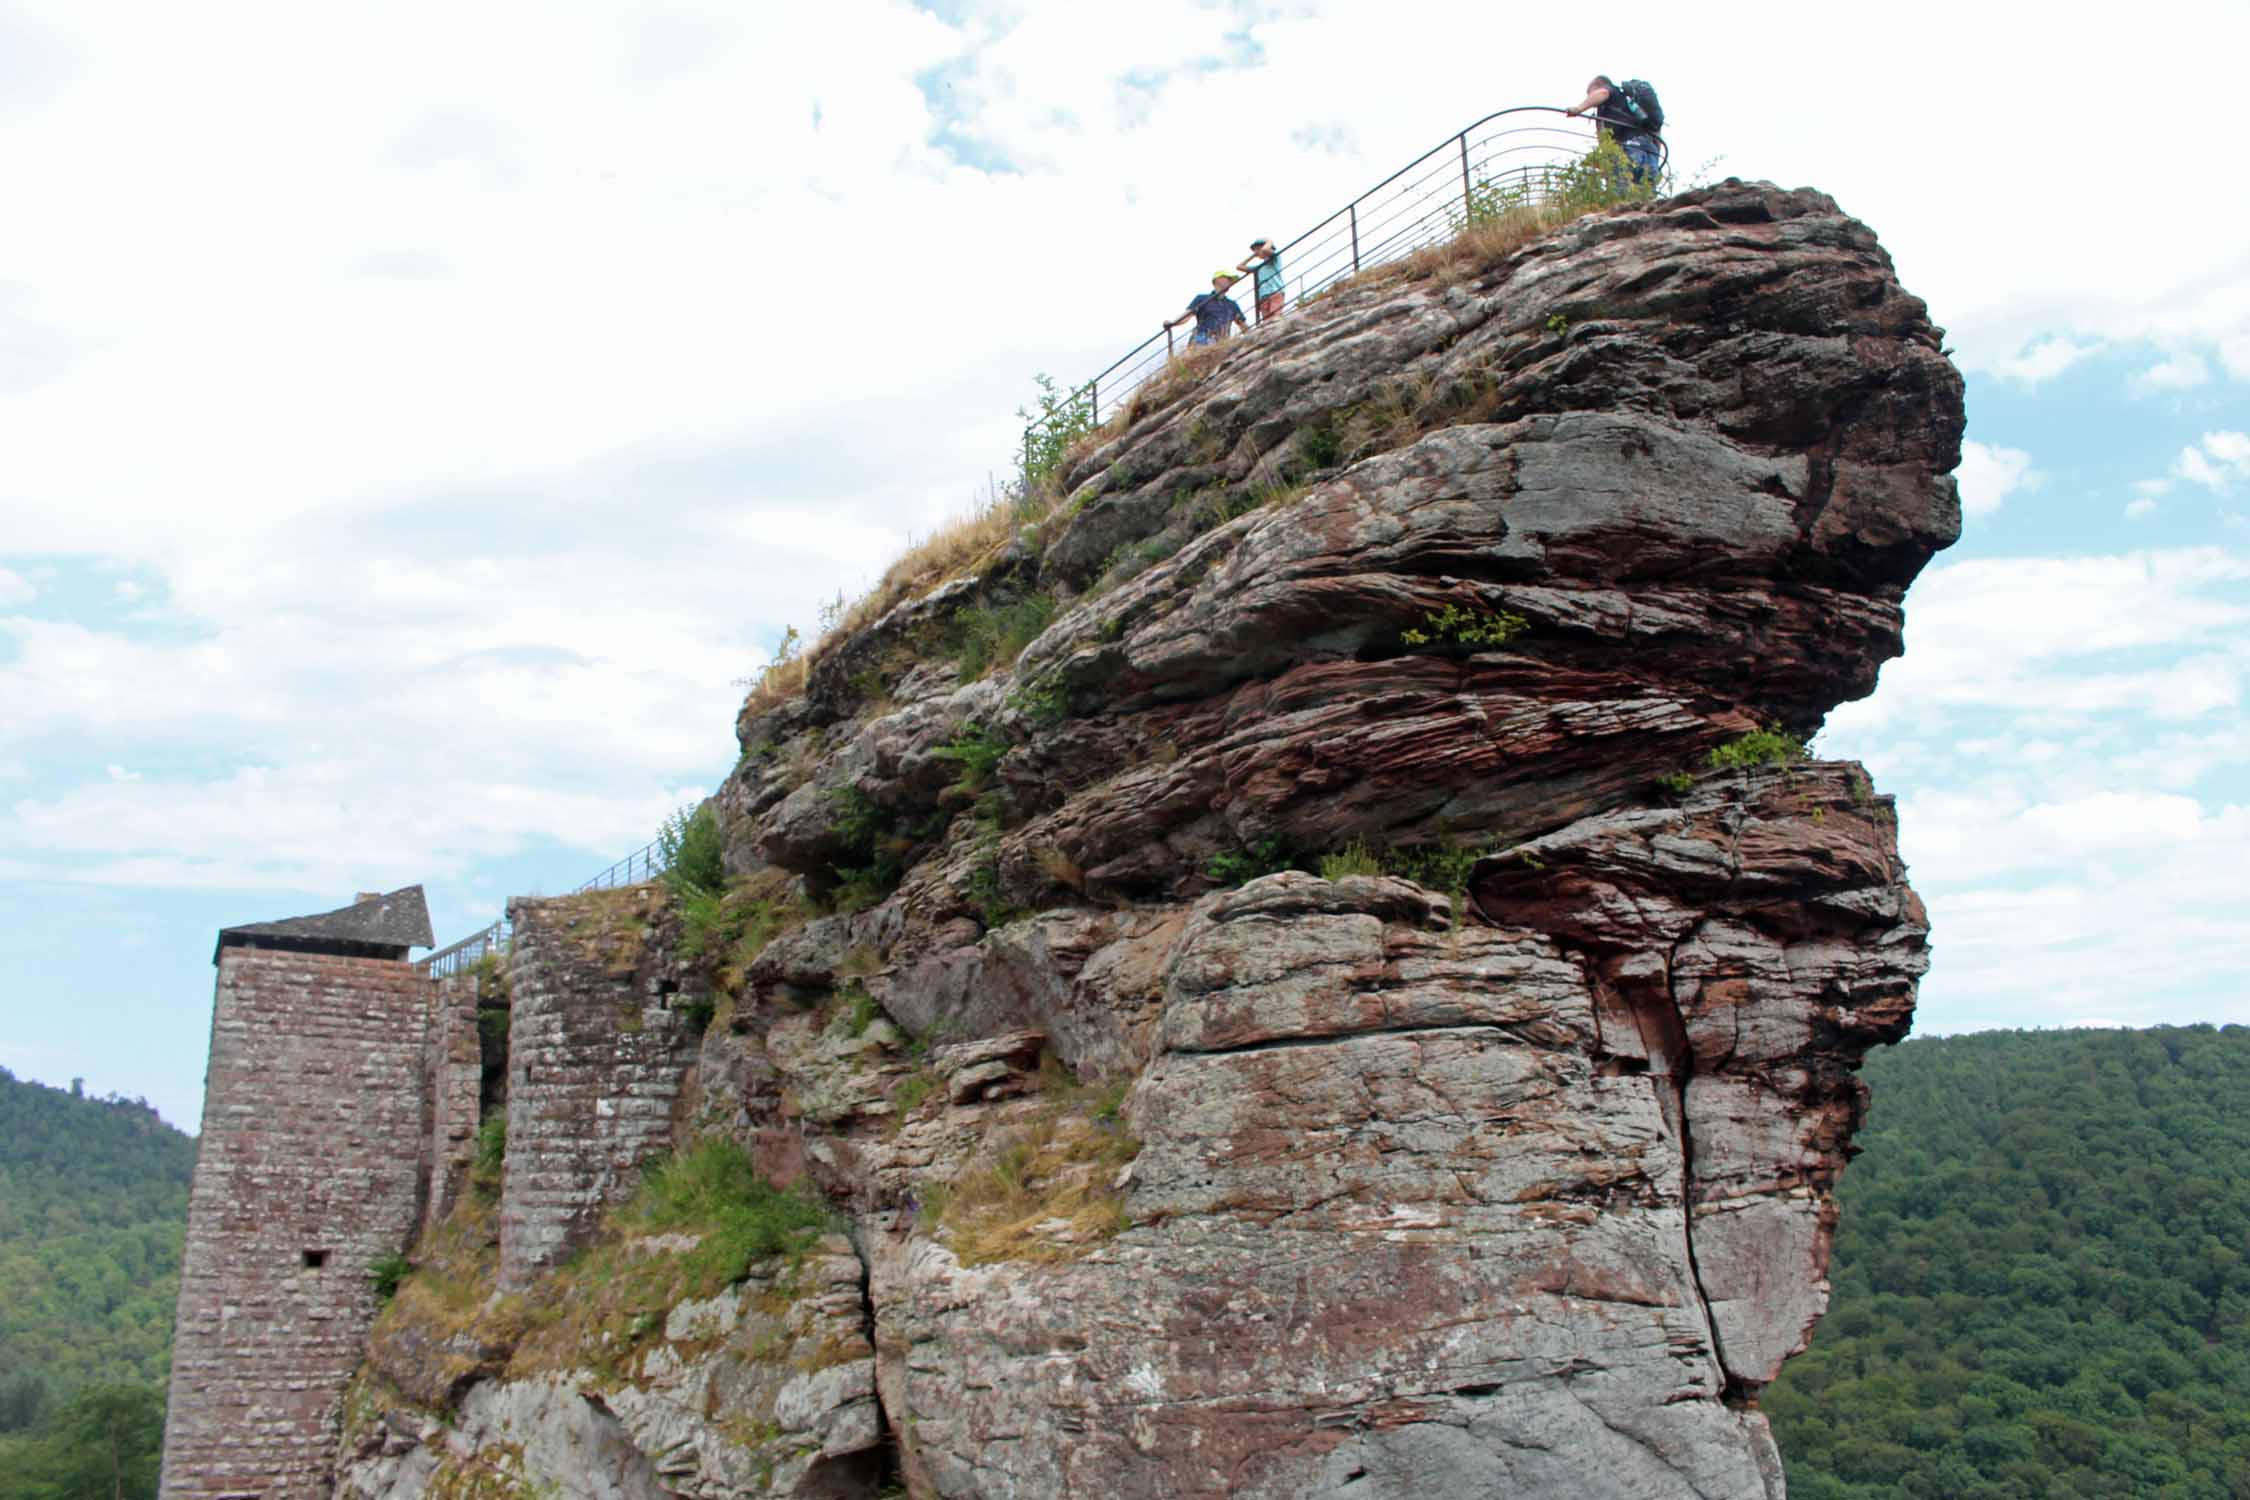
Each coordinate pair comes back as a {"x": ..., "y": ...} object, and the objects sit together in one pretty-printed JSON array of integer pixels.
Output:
[
  {"x": 1214, "y": 312},
  {"x": 1267, "y": 259}
]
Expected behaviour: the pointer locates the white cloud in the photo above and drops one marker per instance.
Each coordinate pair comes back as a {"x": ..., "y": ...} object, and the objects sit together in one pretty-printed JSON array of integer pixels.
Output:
[
  {"x": 2181, "y": 372},
  {"x": 1989, "y": 475},
  {"x": 2144, "y": 506},
  {"x": 2159, "y": 632},
  {"x": 2067, "y": 738},
  {"x": 2234, "y": 353},
  {"x": 340, "y": 824},
  {"x": 2044, "y": 359},
  {"x": 2217, "y": 461},
  {"x": 15, "y": 589}
]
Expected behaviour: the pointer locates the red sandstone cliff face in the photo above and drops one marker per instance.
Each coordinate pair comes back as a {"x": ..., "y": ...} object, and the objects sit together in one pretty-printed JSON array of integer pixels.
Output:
[{"x": 1357, "y": 1187}]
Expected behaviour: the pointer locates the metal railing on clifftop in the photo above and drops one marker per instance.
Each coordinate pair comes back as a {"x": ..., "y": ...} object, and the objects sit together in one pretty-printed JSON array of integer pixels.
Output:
[
  {"x": 644, "y": 863},
  {"x": 1512, "y": 156}
]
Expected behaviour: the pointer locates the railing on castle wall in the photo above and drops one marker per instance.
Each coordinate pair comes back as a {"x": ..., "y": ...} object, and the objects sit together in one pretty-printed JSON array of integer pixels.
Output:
[
  {"x": 644, "y": 863},
  {"x": 467, "y": 953},
  {"x": 1510, "y": 156}
]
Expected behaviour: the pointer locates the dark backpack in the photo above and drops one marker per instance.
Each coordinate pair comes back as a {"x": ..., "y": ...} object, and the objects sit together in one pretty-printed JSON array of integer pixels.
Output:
[{"x": 1637, "y": 98}]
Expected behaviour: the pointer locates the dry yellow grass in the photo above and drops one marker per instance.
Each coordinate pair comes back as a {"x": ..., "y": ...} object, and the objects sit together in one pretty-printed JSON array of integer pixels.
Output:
[
  {"x": 1046, "y": 1190},
  {"x": 448, "y": 1303},
  {"x": 611, "y": 927},
  {"x": 955, "y": 550},
  {"x": 1179, "y": 375},
  {"x": 1045, "y": 1197}
]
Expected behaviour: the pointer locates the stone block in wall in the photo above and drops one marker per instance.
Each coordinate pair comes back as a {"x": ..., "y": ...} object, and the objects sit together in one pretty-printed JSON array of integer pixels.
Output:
[{"x": 599, "y": 1049}]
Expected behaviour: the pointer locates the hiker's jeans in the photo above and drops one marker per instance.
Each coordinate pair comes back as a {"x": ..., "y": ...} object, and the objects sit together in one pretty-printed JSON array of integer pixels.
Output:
[{"x": 1645, "y": 155}]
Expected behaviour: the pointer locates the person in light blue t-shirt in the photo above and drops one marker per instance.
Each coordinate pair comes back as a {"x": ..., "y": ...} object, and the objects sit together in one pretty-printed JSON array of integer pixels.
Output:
[{"x": 1267, "y": 259}]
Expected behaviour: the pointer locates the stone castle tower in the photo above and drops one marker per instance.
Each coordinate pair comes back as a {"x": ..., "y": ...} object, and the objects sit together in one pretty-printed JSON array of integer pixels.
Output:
[{"x": 327, "y": 1063}]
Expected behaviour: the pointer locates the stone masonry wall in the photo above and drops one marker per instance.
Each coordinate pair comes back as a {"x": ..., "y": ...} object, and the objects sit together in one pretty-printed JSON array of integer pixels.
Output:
[
  {"x": 598, "y": 1053},
  {"x": 453, "y": 1063},
  {"x": 308, "y": 1172}
]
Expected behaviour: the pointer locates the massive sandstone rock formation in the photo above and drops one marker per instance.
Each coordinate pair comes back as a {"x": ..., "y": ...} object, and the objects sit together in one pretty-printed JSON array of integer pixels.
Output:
[{"x": 1512, "y": 1178}]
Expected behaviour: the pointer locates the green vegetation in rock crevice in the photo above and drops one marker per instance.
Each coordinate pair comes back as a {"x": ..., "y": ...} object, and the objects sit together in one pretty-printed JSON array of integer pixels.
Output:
[
  {"x": 2041, "y": 1276},
  {"x": 703, "y": 1220}
]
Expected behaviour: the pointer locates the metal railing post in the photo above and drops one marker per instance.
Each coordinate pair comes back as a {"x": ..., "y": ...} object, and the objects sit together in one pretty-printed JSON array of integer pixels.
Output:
[
  {"x": 1094, "y": 400},
  {"x": 1169, "y": 351},
  {"x": 1468, "y": 199},
  {"x": 1354, "y": 207}
]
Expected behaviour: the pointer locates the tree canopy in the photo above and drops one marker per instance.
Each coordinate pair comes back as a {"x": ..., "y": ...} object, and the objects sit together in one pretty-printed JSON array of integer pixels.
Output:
[
  {"x": 2040, "y": 1285},
  {"x": 93, "y": 1205}
]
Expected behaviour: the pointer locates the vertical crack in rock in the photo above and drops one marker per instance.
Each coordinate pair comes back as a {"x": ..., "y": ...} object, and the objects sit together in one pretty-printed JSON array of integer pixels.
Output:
[
  {"x": 890, "y": 1450},
  {"x": 1683, "y": 1077}
]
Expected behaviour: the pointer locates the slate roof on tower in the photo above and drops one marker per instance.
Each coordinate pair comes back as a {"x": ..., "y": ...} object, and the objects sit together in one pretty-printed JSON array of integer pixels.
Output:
[{"x": 371, "y": 927}]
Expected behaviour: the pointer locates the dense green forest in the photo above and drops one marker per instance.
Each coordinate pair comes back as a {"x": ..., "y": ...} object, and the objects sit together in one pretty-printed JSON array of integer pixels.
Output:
[
  {"x": 2040, "y": 1277},
  {"x": 93, "y": 1203}
]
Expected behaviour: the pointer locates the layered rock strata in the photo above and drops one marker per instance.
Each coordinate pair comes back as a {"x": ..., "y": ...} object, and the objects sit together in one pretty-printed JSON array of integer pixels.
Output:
[{"x": 1501, "y": 1163}]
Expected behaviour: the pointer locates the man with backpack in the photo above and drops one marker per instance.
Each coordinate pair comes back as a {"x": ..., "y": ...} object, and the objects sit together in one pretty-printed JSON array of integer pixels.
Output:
[{"x": 1629, "y": 112}]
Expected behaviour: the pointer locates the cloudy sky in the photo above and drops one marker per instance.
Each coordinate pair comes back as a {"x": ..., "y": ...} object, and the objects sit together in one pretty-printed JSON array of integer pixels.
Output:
[{"x": 415, "y": 417}]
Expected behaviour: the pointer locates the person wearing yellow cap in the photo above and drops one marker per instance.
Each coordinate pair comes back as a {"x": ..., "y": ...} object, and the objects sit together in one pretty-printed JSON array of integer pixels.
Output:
[{"x": 1214, "y": 312}]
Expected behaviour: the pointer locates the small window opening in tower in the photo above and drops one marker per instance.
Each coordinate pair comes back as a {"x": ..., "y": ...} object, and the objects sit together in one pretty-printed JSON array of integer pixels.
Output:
[{"x": 315, "y": 1259}]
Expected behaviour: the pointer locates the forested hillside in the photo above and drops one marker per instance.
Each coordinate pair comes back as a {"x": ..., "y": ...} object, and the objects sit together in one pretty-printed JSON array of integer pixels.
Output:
[
  {"x": 93, "y": 1202},
  {"x": 2040, "y": 1278}
]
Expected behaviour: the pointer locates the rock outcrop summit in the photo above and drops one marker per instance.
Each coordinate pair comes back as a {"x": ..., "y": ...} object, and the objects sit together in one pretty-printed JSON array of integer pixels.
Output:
[{"x": 1316, "y": 969}]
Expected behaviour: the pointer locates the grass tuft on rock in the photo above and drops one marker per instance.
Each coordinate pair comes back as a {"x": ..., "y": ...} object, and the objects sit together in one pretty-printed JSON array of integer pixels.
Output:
[
  {"x": 713, "y": 1191},
  {"x": 1045, "y": 1190}
]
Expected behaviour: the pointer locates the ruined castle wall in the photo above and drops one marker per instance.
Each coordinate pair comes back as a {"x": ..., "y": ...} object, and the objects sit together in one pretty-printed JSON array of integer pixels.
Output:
[
  {"x": 308, "y": 1172},
  {"x": 452, "y": 1062},
  {"x": 598, "y": 1053}
]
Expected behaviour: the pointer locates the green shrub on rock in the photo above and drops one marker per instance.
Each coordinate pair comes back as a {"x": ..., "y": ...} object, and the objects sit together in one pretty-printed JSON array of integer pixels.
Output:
[
  {"x": 693, "y": 852},
  {"x": 1760, "y": 747},
  {"x": 386, "y": 1274},
  {"x": 977, "y": 751},
  {"x": 712, "y": 1189},
  {"x": 1477, "y": 629}
]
